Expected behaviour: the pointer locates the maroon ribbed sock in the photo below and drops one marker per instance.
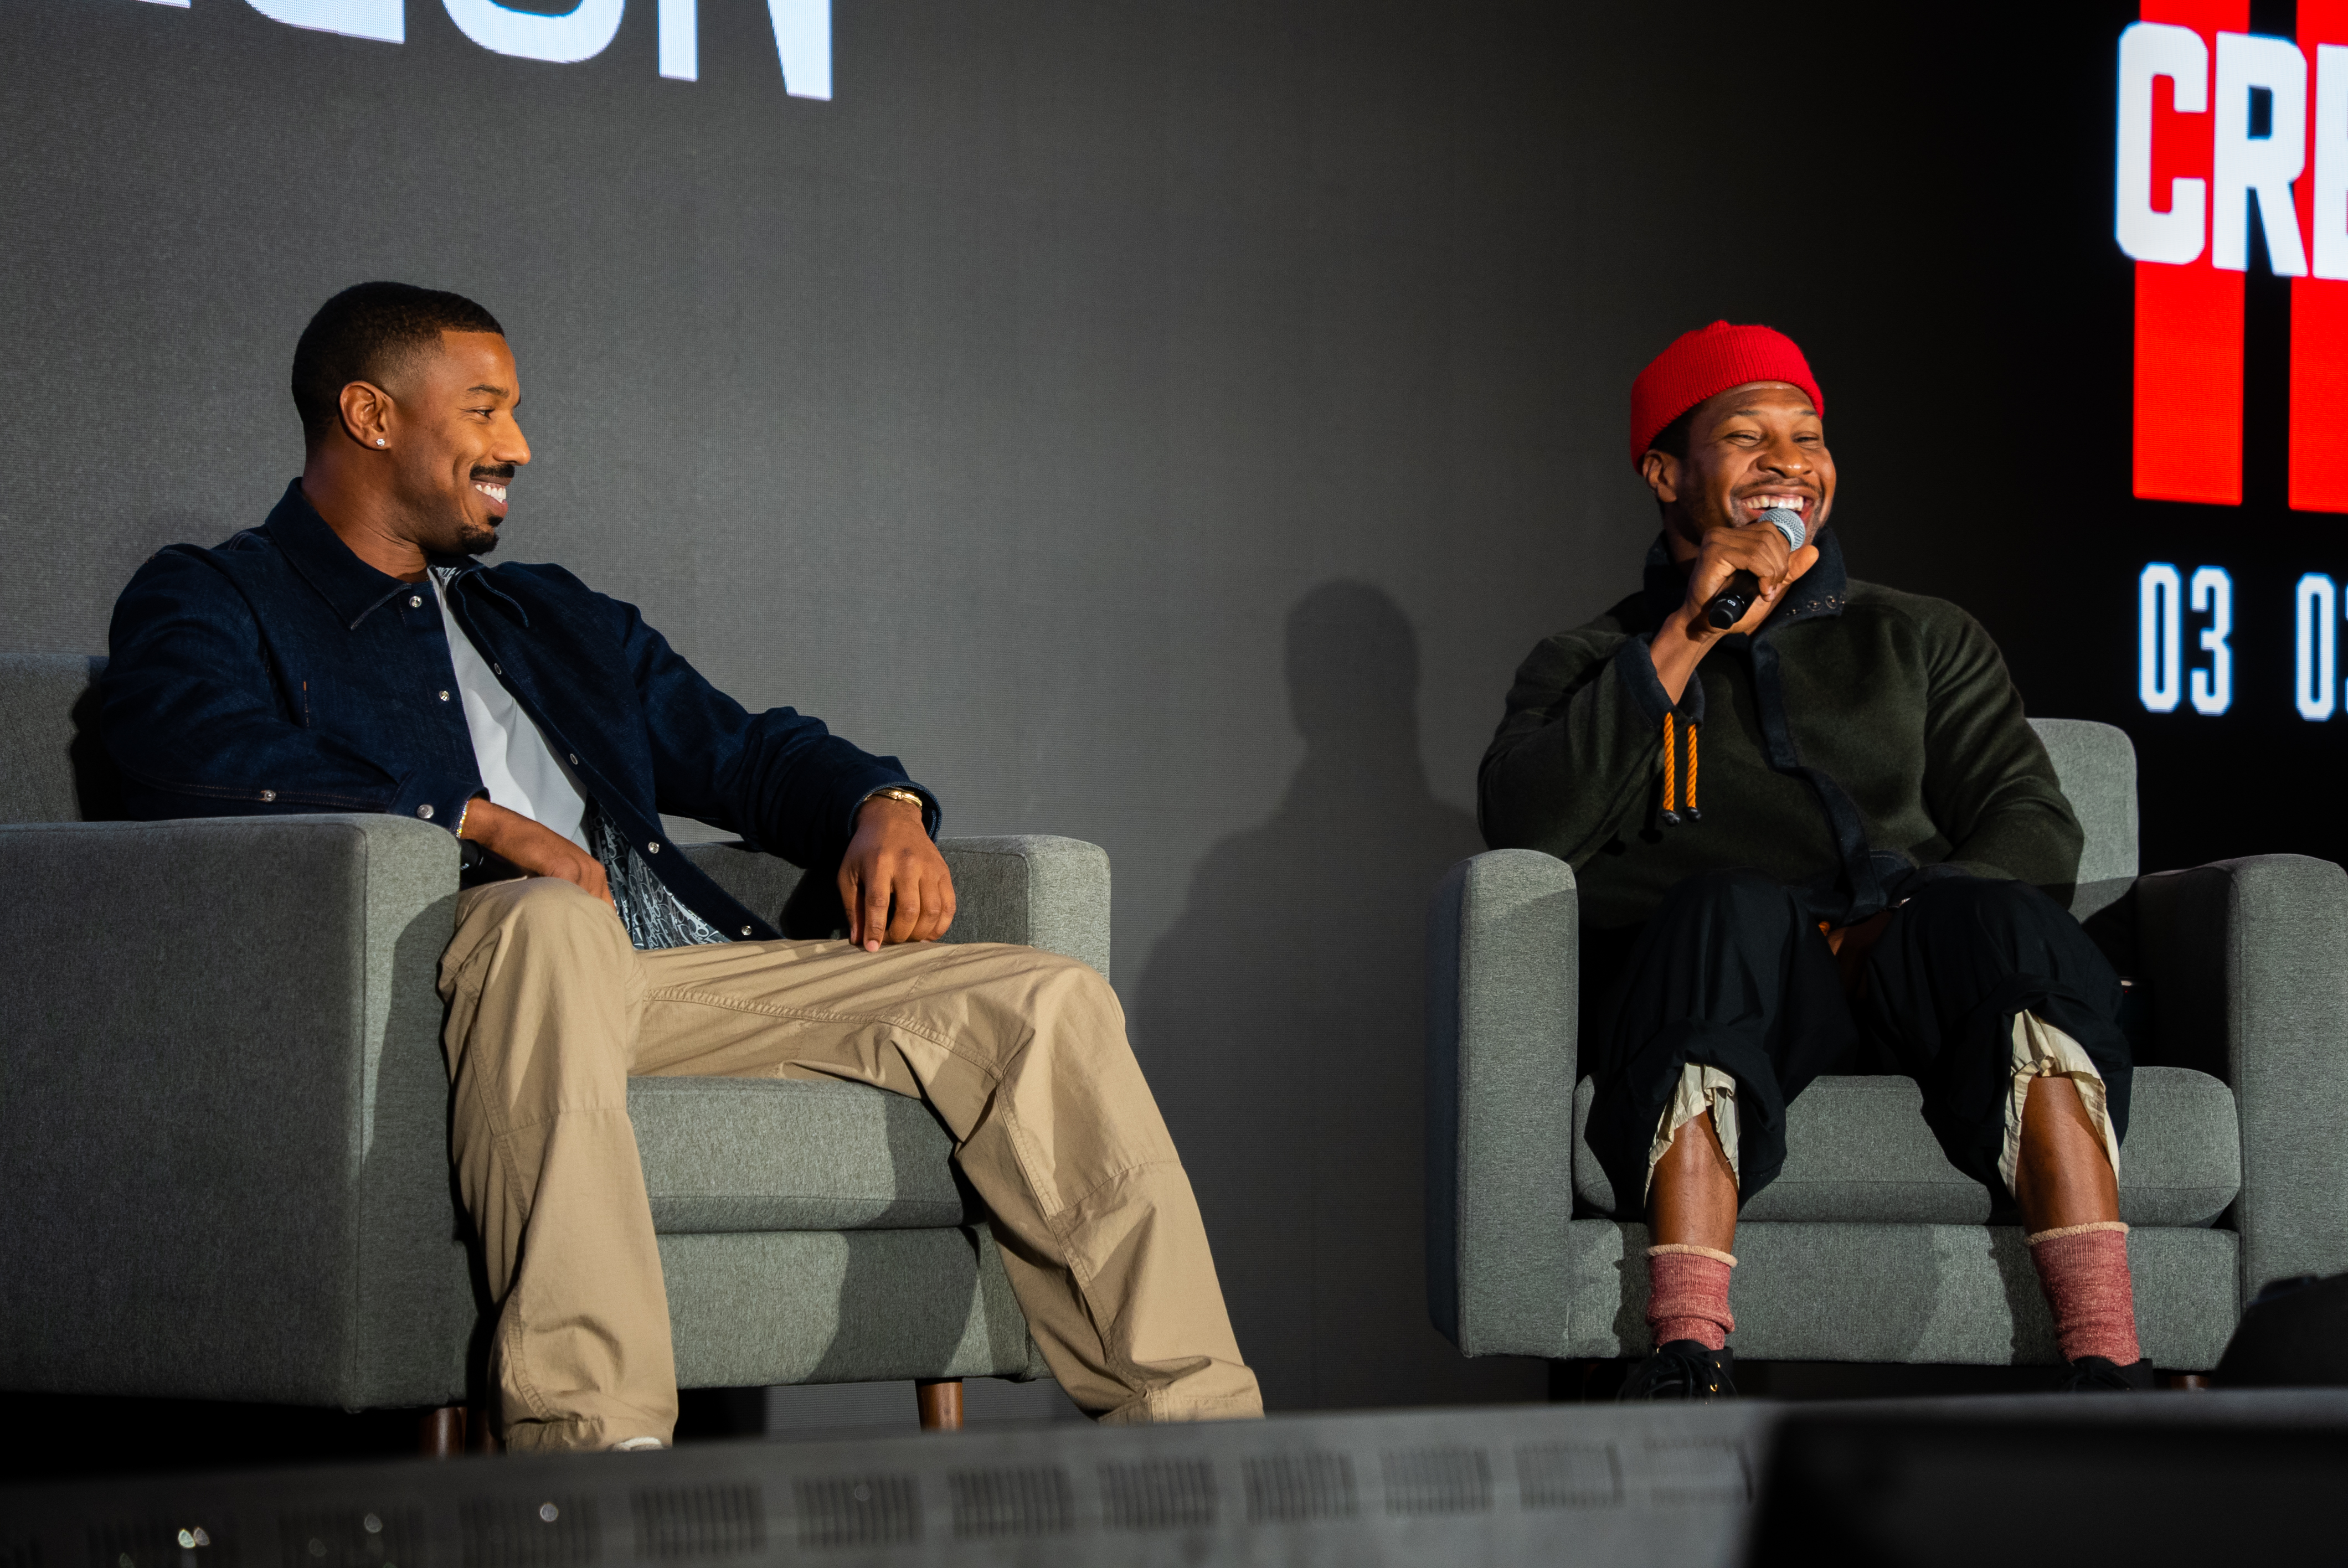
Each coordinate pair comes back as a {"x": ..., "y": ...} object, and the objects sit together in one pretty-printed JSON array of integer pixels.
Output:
[
  {"x": 1687, "y": 1295},
  {"x": 2083, "y": 1270}
]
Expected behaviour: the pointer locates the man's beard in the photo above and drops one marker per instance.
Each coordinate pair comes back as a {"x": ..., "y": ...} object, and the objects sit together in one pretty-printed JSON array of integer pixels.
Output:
[{"x": 475, "y": 540}]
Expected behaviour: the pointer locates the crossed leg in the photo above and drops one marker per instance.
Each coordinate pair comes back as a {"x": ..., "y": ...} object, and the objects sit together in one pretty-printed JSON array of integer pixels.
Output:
[{"x": 1022, "y": 1054}]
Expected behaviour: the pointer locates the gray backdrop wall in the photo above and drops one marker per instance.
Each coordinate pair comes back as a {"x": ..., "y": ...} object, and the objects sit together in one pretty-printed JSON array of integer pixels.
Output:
[{"x": 1163, "y": 422}]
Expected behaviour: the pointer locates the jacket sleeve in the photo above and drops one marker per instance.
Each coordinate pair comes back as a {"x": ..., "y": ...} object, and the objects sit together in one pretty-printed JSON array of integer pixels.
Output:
[
  {"x": 1988, "y": 782},
  {"x": 780, "y": 779},
  {"x": 195, "y": 719},
  {"x": 1580, "y": 747}
]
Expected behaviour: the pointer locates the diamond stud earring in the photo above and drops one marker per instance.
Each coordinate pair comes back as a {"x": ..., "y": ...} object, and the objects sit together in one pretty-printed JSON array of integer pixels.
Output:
[{"x": 378, "y": 440}]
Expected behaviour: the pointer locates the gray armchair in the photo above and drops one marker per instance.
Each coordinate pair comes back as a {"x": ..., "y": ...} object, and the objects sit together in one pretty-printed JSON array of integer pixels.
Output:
[
  {"x": 1871, "y": 1246},
  {"x": 223, "y": 1116}
]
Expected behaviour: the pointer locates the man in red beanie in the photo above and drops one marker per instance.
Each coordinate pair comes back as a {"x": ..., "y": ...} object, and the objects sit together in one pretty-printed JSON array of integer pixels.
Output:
[{"x": 1863, "y": 884}]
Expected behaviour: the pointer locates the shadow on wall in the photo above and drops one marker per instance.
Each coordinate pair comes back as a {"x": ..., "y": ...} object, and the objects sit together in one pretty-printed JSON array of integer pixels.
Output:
[{"x": 1291, "y": 990}]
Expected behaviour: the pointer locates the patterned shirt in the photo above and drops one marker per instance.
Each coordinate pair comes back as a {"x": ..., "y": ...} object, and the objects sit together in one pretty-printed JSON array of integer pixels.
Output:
[{"x": 653, "y": 917}]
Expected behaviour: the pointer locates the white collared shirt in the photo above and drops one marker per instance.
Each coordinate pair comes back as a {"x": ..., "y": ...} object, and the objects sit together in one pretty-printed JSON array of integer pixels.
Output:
[{"x": 517, "y": 765}]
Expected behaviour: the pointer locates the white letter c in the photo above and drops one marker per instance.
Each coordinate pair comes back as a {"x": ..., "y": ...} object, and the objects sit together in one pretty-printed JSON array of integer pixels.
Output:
[{"x": 2149, "y": 50}]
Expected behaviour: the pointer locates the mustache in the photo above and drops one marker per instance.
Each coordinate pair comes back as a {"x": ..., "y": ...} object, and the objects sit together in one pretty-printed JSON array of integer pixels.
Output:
[{"x": 495, "y": 471}]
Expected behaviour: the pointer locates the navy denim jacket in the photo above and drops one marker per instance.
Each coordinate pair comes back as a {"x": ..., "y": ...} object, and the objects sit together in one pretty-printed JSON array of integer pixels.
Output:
[{"x": 281, "y": 673}]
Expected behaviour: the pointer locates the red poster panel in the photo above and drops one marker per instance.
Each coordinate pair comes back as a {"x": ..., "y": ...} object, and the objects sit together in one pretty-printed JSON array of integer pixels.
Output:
[
  {"x": 2189, "y": 319},
  {"x": 2318, "y": 317}
]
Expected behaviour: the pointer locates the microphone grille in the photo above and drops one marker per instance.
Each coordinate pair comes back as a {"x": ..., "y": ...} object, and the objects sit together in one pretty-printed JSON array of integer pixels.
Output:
[{"x": 1789, "y": 522}]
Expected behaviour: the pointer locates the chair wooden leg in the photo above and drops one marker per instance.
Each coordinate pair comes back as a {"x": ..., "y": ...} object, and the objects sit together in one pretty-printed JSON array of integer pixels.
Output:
[
  {"x": 440, "y": 1434},
  {"x": 480, "y": 1432},
  {"x": 2198, "y": 1382},
  {"x": 940, "y": 1400}
]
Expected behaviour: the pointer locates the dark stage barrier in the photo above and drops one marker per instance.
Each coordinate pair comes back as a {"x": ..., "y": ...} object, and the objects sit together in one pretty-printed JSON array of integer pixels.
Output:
[
  {"x": 1925, "y": 1491},
  {"x": 2294, "y": 1334},
  {"x": 1977, "y": 1481}
]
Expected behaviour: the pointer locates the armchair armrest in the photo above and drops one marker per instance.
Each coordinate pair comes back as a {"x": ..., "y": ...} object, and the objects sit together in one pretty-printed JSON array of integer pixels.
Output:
[
  {"x": 2250, "y": 967},
  {"x": 1502, "y": 998},
  {"x": 1047, "y": 892},
  {"x": 1034, "y": 889},
  {"x": 225, "y": 1131}
]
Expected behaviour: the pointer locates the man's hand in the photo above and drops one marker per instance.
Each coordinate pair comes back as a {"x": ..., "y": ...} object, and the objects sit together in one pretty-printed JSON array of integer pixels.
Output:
[
  {"x": 1685, "y": 637},
  {"x": 893, "y": 883},
  {"x": 1851, "y": 944},
  {"x": 1755, "y": 547},
  {"x": 530, "y": 846}
]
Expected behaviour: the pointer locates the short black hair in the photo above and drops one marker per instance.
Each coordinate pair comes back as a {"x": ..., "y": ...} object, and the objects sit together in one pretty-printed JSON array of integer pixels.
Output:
[
  {"x": 1673, "y": 438},
  {"x": 362, "y": 334}
]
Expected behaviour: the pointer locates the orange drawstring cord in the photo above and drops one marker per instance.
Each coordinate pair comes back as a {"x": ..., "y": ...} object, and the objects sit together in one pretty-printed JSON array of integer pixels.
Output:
[
  {"x": 1693, "y": 813},
  {"x": 1672, "y": 816},
  {"x": 1671, "y": 776}
]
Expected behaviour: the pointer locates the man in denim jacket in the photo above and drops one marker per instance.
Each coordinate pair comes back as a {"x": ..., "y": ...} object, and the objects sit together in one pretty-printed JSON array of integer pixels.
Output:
[{"x": 353, "y": 654}]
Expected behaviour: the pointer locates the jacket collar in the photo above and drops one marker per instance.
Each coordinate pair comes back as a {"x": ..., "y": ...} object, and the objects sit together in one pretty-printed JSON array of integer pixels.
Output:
[
  {"x": 353, "y": 588},
  {"x": 1822, "y": 591},
  {"x": 468, "y": 575}
]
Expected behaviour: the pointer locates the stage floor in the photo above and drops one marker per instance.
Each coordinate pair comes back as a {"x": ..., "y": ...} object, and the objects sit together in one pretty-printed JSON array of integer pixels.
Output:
[{"x": 1600, "y": 1484}]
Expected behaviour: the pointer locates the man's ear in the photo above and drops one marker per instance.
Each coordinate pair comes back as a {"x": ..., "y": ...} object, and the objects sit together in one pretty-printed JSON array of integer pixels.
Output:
[
  {"x": 366, "y": 413},
  {"x": 1658, "y": 468}
]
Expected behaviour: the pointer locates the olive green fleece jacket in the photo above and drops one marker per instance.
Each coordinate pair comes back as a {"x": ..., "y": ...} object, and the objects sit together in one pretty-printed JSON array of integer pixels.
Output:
[{"x": 1858, "y": 733}]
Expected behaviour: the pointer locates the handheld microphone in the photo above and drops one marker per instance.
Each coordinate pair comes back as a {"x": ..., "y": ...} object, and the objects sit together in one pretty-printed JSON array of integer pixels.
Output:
[{"x": 1729, "y": 605}]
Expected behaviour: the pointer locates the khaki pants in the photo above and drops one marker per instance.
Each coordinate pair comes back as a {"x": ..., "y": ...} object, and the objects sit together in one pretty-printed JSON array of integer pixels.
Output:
[{"x": 1021, "y": 1054}]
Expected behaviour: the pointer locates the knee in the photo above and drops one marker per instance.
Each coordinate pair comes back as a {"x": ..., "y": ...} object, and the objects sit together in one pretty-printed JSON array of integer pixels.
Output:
[
  {"x": 2001, "y": 907},
  {"x": 1061, "y": 981},
  {"x": 2012, "y": 928},
  {"x": 1048, "y": 997}
]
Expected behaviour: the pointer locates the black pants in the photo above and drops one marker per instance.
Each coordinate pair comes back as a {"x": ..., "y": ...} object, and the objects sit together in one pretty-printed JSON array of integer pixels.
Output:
[{"x": 1732, "y": 971}]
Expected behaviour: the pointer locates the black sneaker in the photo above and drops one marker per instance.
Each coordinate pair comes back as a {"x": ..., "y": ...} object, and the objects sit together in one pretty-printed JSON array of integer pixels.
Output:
[
  {"x": 1683, "y": 1369},
  {"x": 2095, "y": 1375}
]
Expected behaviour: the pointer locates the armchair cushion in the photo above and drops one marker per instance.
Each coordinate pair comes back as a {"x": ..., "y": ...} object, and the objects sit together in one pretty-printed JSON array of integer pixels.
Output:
[
  {"x": 729, "y": 1155},
  {"x": 844, "y": 1306},
  {"x": 1856, "y": 1149}
]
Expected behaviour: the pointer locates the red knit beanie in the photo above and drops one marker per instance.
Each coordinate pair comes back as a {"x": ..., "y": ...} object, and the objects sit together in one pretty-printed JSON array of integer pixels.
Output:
[{"x": 1700, "y": 364}]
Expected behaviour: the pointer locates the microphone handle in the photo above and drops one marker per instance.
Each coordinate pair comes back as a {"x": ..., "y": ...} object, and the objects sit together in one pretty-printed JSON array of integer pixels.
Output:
[{"x": 1729, "y": 605}]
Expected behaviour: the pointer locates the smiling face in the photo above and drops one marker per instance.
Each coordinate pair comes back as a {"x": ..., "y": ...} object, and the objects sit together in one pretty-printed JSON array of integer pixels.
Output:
[
  {"x": 453, "y": 442},
  {"x": 1749, "y": 449}
]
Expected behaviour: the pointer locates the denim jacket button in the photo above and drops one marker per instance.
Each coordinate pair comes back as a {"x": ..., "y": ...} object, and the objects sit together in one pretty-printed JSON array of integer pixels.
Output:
[
  {"x": 746, "y": 930},
  {"x": 268, "y": 795},
  {"x": 425, "y": 811},
  {"x": 444, "y": 696},
  {"x": 415, "y": 601},
  {"x": 653, "y": 846}
]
